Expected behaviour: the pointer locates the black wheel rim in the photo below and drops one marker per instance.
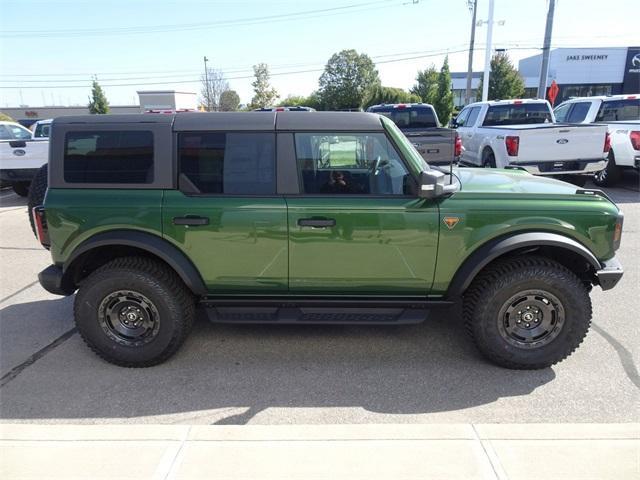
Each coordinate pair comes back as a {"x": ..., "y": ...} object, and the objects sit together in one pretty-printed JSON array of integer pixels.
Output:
[
  {"x": 128, "y": 318},
  {"x": 531, "y": 319}
]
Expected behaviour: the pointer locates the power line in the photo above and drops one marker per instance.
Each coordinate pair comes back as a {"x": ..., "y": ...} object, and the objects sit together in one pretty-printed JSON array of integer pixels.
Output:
[
  {"x": 137, "y": 30},
  {"x": 313, "y": 70}
]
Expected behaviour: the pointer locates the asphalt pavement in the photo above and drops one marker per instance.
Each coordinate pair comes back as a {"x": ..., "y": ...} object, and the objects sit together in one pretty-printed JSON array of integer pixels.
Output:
[{"x": 276, "y": 374}]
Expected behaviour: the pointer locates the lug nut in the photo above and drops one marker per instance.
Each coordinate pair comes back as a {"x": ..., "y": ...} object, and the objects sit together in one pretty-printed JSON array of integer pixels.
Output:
[{"x": 527, "y": 325}]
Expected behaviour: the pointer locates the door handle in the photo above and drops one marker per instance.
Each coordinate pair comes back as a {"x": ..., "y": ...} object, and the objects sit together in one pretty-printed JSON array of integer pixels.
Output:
[
  {"x": 317, "y": 222},
  {"x": 191, "y": 220}
]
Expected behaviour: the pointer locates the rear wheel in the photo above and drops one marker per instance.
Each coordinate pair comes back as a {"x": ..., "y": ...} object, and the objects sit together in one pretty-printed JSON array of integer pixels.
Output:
[
  {"x": 610, "y": 175},
  {"x": 488, "y": 159},
  {"x": 527, "y": 312},
  {"x": 21, "y": 188},
  {"x": 36, "y": 193},
  {"x": 134, "y": 312}
]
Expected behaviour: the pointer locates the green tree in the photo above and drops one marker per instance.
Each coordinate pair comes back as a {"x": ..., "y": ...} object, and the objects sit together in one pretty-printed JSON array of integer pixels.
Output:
[
  {"x": 504, "y": 80},
  {"x": 229, "y": 101},
  {"x": 444, "y": 99},
  {"x": 98, "y": 101},
  {"x": 347, "y": 79},
  {"x": 426, "y": 86},
  {"x": 294, "y": 101},
  {"x": 6, "y": 118},
  {"x": 264, "y": 94},
  {"x": 380, "y": 94}
]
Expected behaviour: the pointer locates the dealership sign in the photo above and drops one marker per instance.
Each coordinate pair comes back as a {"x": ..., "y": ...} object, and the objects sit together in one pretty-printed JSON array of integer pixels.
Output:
[
  {"x": 586, "y": 57},
  {"x": 631, "y": 81}
]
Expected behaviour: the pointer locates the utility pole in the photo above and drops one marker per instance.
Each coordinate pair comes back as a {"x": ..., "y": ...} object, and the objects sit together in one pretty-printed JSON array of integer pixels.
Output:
[
  {"x": 473, "y": 5},
  {"x": 544, "y": 70},
  {"x": 206, "y": 81},
  {"x": 487, "y": 54}
]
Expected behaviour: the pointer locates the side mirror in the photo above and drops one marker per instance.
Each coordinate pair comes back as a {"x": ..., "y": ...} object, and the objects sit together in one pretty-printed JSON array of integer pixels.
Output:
[{"x": 432, "y": 185}]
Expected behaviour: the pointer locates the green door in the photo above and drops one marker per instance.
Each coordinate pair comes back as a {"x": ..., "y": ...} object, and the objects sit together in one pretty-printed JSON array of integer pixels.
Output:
[
  {"x": 226, "y": 217},
  {"x": 357, "y": 228}
]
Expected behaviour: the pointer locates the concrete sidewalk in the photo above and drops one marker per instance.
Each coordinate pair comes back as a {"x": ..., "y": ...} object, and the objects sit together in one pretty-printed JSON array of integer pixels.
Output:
[{"x": 455, "y": 451}]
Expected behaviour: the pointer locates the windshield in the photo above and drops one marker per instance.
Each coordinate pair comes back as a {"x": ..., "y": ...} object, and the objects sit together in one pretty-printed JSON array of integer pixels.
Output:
[
  {"x": 619, "y": 110},
  {"x": 409, "y": 152},
  {"x": 409, "y": 117},
  {"x": 520, "y": 114}
]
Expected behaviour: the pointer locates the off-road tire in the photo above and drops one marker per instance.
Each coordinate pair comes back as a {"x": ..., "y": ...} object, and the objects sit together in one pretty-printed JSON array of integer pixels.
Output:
[
  {"x": 488, "y": 159},
  {"x": 21, "y": 188},
  {"x": 490, "y": 292},
  {"x": 610, "y": 175},
  {"x": 172, "y": 300},
  {"x": 37, "y": 190}
]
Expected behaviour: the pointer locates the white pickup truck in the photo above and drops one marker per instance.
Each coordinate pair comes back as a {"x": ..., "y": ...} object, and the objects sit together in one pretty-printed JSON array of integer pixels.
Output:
[
  {"x": 20, "y": 156},
  {"x": 524, "y": 134},
  {"x": 621, "y": 115}
]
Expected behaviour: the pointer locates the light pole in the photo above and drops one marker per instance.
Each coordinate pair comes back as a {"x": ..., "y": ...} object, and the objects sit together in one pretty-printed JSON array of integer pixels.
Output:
[
  {"x": 487, "y": 54},
  {"x": 206, "y": 83},
  {"x": 544, "y": 70},
  {"x": 473, "y": 6}
]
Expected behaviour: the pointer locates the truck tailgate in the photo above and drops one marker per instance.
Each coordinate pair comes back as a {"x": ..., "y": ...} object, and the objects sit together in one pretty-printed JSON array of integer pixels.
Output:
[
  {"x": 20, "y": 154},
  {"x": 434, "y": 144},
  {"x": 560, "y": 142}
]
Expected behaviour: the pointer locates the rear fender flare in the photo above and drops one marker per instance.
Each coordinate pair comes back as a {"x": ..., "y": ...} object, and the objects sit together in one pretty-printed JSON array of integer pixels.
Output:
[{"x": 150, "y": 243}]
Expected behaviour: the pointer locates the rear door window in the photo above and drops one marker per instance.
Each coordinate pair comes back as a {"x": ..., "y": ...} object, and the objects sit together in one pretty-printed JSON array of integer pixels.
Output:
[
  {"x": 409, "y": 117},
  {"x": 619, "y": 110},
  {"x": 227, "y": 163},
  {"x": 109, "y": 157},
  {"x": 578, "y": 112},
  {"x": 473, "y": 116},
  {"x": 517, "y": 114}
]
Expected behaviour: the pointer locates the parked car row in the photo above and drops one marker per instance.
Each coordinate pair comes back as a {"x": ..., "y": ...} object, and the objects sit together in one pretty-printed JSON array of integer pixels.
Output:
[{"x": 528, "y": 134}]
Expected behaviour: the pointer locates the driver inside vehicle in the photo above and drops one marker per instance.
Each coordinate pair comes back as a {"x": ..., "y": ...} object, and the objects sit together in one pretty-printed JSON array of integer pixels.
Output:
[{"x": 339, "y": 183}]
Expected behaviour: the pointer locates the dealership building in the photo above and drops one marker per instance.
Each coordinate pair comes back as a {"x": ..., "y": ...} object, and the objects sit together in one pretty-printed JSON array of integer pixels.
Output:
[
  {"x": 150, "y": 101},
  {"x": 579, "y": 72}
]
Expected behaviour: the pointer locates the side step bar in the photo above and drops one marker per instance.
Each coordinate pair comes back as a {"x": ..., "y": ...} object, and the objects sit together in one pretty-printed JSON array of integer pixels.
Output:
[{"x": 326, "y": 310}]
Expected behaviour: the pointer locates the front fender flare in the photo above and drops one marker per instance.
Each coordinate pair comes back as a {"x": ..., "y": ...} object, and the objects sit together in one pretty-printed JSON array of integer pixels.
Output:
[
  {"x": 148, "y": 242},
  {"x": 495, "y": 248}
]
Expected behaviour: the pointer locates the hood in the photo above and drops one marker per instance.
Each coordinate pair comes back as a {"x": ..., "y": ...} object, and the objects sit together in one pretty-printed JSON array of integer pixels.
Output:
[{"x": 510, "y": 181}]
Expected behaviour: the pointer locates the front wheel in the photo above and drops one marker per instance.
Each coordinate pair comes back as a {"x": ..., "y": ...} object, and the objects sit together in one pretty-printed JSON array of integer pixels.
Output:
[
  {"x": 134, "y": 312},
  {"x": 527, "y": 313}
]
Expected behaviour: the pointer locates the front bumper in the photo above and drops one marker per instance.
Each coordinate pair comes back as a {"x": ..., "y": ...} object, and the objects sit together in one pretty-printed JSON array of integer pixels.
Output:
[
  {"x": 610, "y": 273},
  {"x": 573, "y": 167},
  {"x": 53, "y": 281},
  {"x": 13, "y": 175}
]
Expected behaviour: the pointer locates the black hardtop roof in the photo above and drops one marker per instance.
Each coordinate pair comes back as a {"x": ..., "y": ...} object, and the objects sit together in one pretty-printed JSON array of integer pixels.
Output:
[{"x": 238, "y": 121}]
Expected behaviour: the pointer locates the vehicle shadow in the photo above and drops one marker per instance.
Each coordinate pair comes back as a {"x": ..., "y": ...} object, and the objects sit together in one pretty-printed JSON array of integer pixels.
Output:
[
  {"x": 12, "y": 200},
  {"x": 626, "y": 191},
  {"x": 430, "y": 367}
]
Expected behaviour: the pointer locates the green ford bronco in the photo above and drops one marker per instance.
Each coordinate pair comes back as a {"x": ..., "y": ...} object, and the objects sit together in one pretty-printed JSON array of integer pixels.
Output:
[{"x": 312, "y": 217}]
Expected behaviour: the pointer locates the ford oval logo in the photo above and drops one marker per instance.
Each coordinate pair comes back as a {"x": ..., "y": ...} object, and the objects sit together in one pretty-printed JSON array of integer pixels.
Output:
[
  {"x": 19, "y": 152},
  {"x": 635, "y": 61},
  {"x": 562, "y": 141}
]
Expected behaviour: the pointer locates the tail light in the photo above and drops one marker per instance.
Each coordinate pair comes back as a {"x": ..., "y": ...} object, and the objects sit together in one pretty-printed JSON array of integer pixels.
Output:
[
  {"x": 457, "y": 147},
  {"x": 607, "y": 143},
  {"x": 617, "y": 232},
  {"x": 40, "y": 221},
  {"x": 513, "y": 145},
  {"x": 635, "y": 139}
]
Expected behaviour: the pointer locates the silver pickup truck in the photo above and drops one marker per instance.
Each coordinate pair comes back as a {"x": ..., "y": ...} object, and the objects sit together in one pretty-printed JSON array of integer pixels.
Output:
[{"x": 419, "y": 122}]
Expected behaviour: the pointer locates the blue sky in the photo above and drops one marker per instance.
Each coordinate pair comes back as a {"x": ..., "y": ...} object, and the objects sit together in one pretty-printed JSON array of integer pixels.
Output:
[{"x": 51, "y": 43}]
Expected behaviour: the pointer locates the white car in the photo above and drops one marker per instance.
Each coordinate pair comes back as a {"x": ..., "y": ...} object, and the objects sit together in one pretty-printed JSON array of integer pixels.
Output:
[
  {"x": 621, "y": 114},
  {"x": 20, "y": 156},
  {"x": 524, "y": 134}
]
